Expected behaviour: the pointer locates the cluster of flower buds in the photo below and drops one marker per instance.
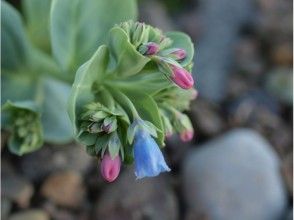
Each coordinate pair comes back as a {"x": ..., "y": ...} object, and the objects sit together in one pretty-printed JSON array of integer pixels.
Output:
[
  {"x": 153, "y": 43},
  {"x": 26, "y": 126},
  {"x": 99, "y": 132},
  {"x": 179, "y": 122}
]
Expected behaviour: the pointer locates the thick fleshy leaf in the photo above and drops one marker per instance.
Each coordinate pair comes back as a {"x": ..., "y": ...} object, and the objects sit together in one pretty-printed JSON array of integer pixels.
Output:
[
  {"x": 183, "y": 41},
  {"x": 127, "y": 60},
  {"x": 16, "y": 87},
  {"x": 146, "y": 81},
  {"x": 82, "y": 90},
  {"x": 14, "y": 44},
  {"x": 55, "y": 120},
  {"x": 78, "y": 27},
  {"x": 37, "y": 22},
  {"x": 148, "y": 111}
]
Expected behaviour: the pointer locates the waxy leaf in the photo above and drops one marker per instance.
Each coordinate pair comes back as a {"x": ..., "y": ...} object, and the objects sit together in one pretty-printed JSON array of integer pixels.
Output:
[
  {"x": 82, "y": 90},
  {"x": 55, "y": 120},
  {"x": 128, "y": 61},
  {"x": 17, "y": 87},
  {"x": 14, "y": 44},
  {"x": 148, "y": 111},
  {"x": 36, "y": 14},
  {"x": 78, "y": 27},
  {"x": 183, "y": 41}
]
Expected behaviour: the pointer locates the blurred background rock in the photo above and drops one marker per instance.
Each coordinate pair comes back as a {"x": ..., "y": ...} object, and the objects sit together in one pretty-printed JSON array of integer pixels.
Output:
[{"x": 240, "y": 163}]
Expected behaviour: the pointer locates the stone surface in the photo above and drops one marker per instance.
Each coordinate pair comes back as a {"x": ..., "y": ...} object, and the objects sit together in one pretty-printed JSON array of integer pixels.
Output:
[
  {"x": 287, "y": 171},
  {"x": 221, "y": 21},
  {"x": 5, "y": 207},
  {"x": 248, "y": 59},
  {"x": 154, "y": 13},
  {"x": 64, "y": 188},
  {"x": 258, "y": 110},
  {"x": 206, "y": 117},
  {"x": 130, "y": 199},
  {"x": 235, "y": 176},
  {"x": 39, "y": 164},
  {"x": 33, "y": 214},
  {"x": 17, "y": 188},
  {"x": 290, "y": 215}
]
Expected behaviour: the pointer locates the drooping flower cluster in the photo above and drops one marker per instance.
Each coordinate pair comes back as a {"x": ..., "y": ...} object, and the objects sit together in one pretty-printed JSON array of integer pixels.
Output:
[{"x": 130, "y": 96}]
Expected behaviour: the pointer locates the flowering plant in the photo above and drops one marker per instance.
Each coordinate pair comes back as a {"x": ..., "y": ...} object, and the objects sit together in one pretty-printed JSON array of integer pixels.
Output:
[
  {"x": 130, "y": 95},
  {"x": 130, "y": 82}
]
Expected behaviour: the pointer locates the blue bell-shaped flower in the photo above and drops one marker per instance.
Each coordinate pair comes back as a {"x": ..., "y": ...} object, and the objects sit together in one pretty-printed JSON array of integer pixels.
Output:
[{"x": 149, "y": 160}]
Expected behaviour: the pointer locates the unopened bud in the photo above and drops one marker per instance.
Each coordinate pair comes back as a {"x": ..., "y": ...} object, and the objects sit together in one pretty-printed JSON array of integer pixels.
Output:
[
  {"x": 110, "y": 168},
  {"x": 182, "y": 77},
  {"x": 149, "y": 48}
]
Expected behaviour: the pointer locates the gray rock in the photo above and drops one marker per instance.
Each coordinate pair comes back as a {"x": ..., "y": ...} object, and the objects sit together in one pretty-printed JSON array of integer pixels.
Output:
[
  {"x": 39, "y": 164},
  {"x": 290, "y": 215},
  {"x": 130, "y": 199},
  {"x": 154, "y": 13},
  {"x": 17, "y": 188},
  {"x": 64, "y": 188},
  {"x": 206, "y": 117},
  {"x": 235, "y": 176},
  {"x": 34, "y": 214},
  {"x": 220, "y": 22},
  {"x": 279, "y": 83},
  {"x": 5, "y": 207},
  {"x": 287, "y": 171}
]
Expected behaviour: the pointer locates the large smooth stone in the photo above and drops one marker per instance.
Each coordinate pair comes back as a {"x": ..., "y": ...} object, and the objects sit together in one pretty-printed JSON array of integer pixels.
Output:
[{"x": 235, "y": 176}]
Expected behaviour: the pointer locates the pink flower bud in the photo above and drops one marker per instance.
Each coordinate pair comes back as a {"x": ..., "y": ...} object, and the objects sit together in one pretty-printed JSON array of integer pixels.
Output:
[
  {"x": 182, "y": 77},
  {"x": 110, "y": 168},
  {"x": 179, "y": 54},
  {"x": 187, "y": 135},
  {"x": 152, "y": 48}
]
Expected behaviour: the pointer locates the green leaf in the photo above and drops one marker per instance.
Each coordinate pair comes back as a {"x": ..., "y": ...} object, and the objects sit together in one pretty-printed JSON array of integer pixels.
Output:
[
  {"x": 55, "y": 120},
  {"x": 86, "y": 76},
  {"x": 21, "y": 105},
  {"x": 50, "y": 95},
  {"x": 148, "y": 111},
  {"x": 101, "y": 143},
  {"x": 181, "y": 40},
  {"x": 149, "y": 82},
  {"x": 128, "y": 61},
  {"x": 37, "y": 22},
  {"x": 78, "y": 27},
  {"x": 87, "y": 139},
  {"x": 14, "y": 44},
  {"x": 17, "y": 87}
]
